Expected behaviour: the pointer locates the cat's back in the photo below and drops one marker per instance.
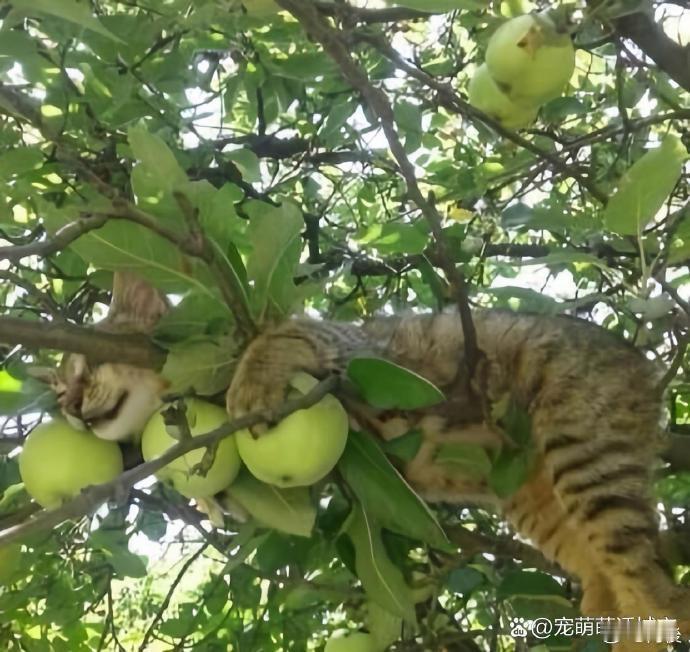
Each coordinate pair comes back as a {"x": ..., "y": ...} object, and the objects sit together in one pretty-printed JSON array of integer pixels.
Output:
[{"x": 532, "y": 353}]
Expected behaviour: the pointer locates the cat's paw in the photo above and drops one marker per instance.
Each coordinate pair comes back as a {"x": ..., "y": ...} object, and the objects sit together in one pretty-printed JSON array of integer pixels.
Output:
[{"x": 248, "y": 396}]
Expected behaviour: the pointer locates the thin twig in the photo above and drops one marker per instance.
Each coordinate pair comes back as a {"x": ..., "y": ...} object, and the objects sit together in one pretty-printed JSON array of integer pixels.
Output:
[
  {"x": 62, "y": 238},
  {"x": 677, "y": 361},
  {"x": 168, "y": 597},
  {"x": 43, "y": 298}
]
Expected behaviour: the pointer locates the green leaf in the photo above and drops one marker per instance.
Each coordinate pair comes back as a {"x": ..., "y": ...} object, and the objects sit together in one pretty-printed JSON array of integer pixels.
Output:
[
  {"x": 114, "y": 544},
  {"x": 275, "y": 238},
  {"x": 510, "y": 470},
  {"x": 567, "y": 258},
  {"x": 408, "y": 116},
  {"x": 288, "y": 510},
  {"x": 521, "y": 583},
  {"x": 465, "y": 580},
  {"x": 196, "y": 315},
  {"x": 534, "y": 594},
  {"x": 644, "y": 187},
  {"x": 526, "y": 299},
  {"x": 23, "y": 396},
  {"x": 125, "y": 246},
  {"x": 386, "y": 385},
  {"x": 405, "y": 447},
  {"x": 396, "y": 238},
  {"x": 515, "y": 421},
  {"x": 247, "y": 162},
  {"x": 204, "y": 367},
  {"x": 384, "y": 494},
  {"x": 127, "y": 564},
  {"x": 15, "y": 162},
  {"x": 469, "y": 459},
  {"x": 384, "y": 626},
  {"x": 78, "y": 13},
  {"x": 382, "y": 580},
  {"x": 152, "y": 524},
  {"x": 156, "y": 159}
]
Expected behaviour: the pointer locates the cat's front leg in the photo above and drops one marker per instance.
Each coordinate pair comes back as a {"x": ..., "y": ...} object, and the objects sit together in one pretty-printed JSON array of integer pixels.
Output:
[{"x": 273, "y": 358}]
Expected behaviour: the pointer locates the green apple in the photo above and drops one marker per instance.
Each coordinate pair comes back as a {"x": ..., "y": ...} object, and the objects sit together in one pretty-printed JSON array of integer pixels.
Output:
[
  {"x": 202, "y": 418},
  {"x": 485, "y": 94},
  {"x": 10, "y": 556},
  {"x": 530, "y": 59},
  {"x": 357, "y": 642},
  {"x": 58, "y": 461},
  {"x": 303, "y": 447}
]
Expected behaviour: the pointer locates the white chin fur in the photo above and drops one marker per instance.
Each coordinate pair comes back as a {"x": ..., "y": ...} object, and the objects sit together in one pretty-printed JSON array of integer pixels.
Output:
[{"x": 135, "y": 412}]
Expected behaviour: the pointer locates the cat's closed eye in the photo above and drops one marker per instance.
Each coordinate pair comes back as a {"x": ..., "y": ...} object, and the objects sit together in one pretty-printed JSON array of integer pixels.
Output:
[
  {"x": 113, "y": 400},
  {"x": 100, "y": 414}
]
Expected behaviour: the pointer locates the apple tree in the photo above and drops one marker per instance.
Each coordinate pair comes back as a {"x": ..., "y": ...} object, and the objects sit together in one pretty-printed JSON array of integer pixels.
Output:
[{"x": 258, "y": 159}]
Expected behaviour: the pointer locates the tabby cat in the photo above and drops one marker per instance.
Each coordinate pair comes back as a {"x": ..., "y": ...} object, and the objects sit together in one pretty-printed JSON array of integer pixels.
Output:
[{"x": 594, "y": 404}]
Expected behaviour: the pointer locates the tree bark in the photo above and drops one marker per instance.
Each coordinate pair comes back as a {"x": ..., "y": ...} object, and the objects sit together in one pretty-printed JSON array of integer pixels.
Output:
[{"x": 98, "y": 346}]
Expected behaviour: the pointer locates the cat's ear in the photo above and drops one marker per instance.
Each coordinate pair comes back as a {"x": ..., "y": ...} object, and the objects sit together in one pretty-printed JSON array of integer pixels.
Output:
[{"x": 136, "y": 305}]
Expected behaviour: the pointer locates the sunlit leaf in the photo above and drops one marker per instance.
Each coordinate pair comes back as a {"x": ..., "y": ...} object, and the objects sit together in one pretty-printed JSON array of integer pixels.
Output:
[
  {"x": 156, "y": 159},
  {"x": 76, "y": 12},
  {"x": 275, "y": 239},
  {"x": 205, "y": 366},
  {"x": 644, "y": 187},
  {"x": 382, "y": 580},
  {"x": 386, "y": 385},
  {"x": 385, "y": 494}
]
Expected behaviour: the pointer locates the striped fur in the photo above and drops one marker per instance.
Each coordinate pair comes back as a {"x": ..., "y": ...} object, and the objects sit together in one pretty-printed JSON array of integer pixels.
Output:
[
  {"x": 593, "y": 401},
  {"x": 596, "y": 414}
]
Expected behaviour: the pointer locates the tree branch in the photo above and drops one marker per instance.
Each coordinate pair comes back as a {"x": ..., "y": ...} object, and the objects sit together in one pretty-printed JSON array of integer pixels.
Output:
[
  {"x": 92, "y": 497},
  {"x": 472, "y": 543},
  {"x": 168, "y": 596},
  {"x": 333, "y": 44},
  {"x": 672, "y": 57},
  {"x": 98, "y": 346},
  {"x": 62, "y": 238}
]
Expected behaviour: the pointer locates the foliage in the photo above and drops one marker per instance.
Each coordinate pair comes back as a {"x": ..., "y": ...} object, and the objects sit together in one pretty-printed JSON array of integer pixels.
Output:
[{"x": 208, "y": 117}]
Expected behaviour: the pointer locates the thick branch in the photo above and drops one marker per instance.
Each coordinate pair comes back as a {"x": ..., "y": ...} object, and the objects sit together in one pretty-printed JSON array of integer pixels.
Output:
[
  {"x": 672, "y": 57},
  {"x": 92, "y": 497},
  {"x": 96, "y": 345}
]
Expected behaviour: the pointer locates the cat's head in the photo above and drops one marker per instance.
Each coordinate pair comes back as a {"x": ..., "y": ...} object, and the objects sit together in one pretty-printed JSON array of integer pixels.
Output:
[{"x": 111, "y": 399}]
